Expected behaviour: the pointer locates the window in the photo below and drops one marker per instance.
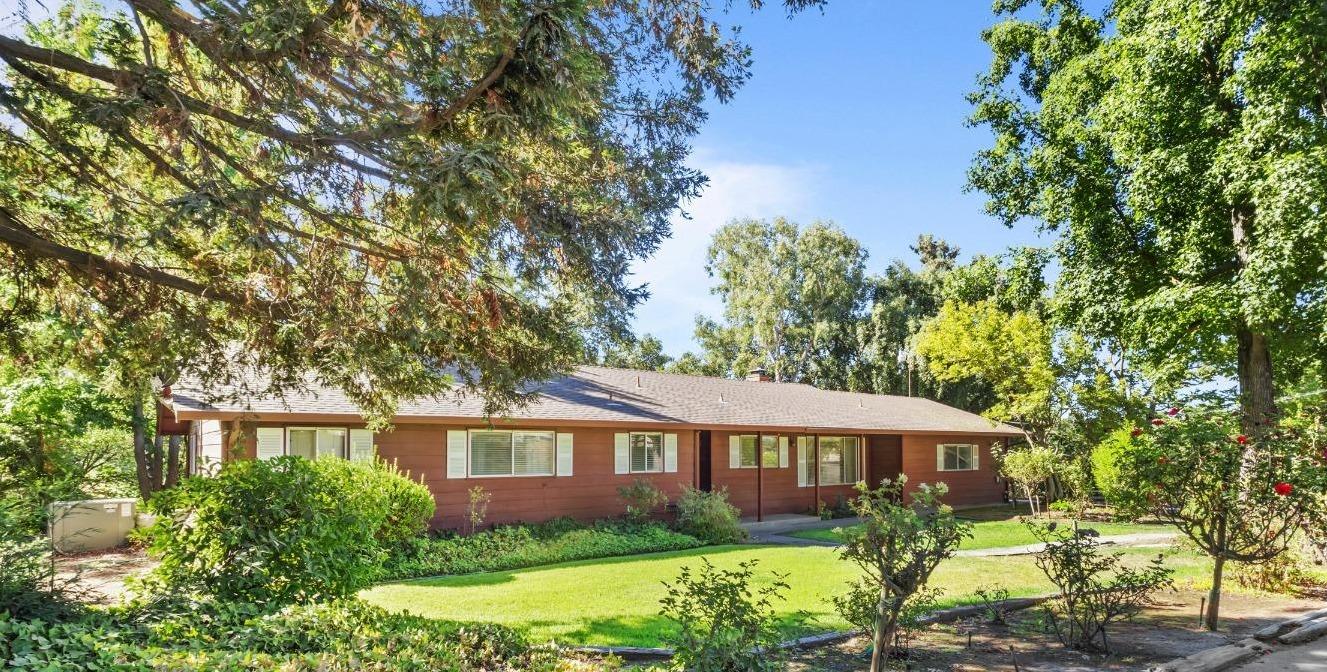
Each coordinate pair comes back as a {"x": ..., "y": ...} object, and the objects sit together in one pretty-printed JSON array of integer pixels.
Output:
[
  {"x": 838, "y": 459},
  {"x": 769, "y": 451},
  {"x": 512, "y": 453},
  {"x": 316, "y": 442},
  {"x": 957, "y": 457},
  {"x": 647, "y": 452},
  {"x": 747, "y": 453}
]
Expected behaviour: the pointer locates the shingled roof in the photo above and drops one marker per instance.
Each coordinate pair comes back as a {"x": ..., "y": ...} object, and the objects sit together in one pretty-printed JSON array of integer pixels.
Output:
[{"x": 594, "y": 394}]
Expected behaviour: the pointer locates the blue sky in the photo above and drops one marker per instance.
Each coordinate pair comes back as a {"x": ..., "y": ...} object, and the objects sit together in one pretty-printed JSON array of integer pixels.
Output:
[{"x": 853, "y": 115}]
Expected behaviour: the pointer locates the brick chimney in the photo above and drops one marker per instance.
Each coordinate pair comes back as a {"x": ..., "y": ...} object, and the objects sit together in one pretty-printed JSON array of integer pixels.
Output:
[{"x": 758, "y": 374}]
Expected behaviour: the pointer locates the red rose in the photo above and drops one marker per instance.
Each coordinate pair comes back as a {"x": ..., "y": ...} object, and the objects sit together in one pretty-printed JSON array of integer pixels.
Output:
[
  {"x": 1283, "y": 488},
  {"x": 1158, "y": 422},
  {"x": 1172, "y": 412},
  {"x": 1137, "y": 432},
  {"x": 1241, "y": 439}
]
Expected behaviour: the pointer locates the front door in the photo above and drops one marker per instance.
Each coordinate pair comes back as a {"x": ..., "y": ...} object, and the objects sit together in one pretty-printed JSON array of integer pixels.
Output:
[
  {"x": 705, "y": 482},
  {"x": 886, "y": 459}
]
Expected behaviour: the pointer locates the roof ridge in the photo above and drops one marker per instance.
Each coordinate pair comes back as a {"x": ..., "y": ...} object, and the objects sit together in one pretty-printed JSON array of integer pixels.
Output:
[{"x": 689, "y": 375}]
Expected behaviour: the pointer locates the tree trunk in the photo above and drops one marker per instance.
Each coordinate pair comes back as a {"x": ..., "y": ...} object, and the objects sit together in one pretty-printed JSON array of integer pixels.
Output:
[
  {"x": 1210, "y": 619},
  {"x": 1257, "y": 392},
  {"x": 158, "y": 463},
  {"x": 885, "y": 624},
  {"x": 173, "y": 462},
  {"x": 140, "y": 449}
]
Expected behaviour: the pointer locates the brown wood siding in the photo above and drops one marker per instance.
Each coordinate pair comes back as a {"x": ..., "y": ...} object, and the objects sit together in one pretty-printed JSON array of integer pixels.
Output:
[
  {"x": 781, "y": 493},
  {"x": 966, "y": 488},
  {"x": 589, "y": 493}
]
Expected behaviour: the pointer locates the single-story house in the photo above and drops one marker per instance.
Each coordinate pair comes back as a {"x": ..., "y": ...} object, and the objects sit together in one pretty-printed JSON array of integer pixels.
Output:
[{"x": 776, "y": 447}]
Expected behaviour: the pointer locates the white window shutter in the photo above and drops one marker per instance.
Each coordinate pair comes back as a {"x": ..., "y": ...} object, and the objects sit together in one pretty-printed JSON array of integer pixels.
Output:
[
  {"x": 564, "y": 454},
  {"x": 670, "y": 453},
  {"x": 271, "y": 442},
  {"x": 734, "y": 452},
  {"x": 976, "y": 456},
  {"x": 361, "y": 445},
  {"x": 621, "y": 453},
  {"x": 783, "y": 452},
  {"x": 940, "y": 457},
  {"x": 803, "y": 458},
  {"x": 457, "y": 444}
]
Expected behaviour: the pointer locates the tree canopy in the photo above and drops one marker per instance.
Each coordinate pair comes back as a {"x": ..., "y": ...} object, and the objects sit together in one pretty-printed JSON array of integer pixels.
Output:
[
  {"x": 400, "y": 198},
  {"x": 1179, "y": 149}
]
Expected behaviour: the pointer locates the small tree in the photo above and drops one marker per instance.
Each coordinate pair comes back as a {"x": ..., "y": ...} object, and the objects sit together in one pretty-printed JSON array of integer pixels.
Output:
[
  {"x": 1029, "y": 469},
  {"x": 1237, "y": 497},
  {"x": 1093, "y": 589},
  {"x": 723, "y": 624},
  {"x": 476, "y": 508},
  {"x": 898, "y": 546}
]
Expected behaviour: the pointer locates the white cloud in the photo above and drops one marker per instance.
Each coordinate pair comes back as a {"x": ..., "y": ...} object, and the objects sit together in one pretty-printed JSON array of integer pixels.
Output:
[{"x": 679, "y": 287}]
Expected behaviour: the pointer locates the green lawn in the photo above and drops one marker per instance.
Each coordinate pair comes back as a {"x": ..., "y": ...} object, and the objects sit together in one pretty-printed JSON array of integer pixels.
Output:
[
  {"x": 1003, "y": 533},
  {"x": 615, "y": 601}
]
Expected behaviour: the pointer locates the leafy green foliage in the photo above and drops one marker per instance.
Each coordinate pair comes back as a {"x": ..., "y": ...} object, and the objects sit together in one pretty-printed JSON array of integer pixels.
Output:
[
  {"x": 1237, "y": 497},
  {"x": 1094, "y": 588},
  {"x": 517, "y": 546},
  {"x": 403, "y": 197},
  {"x": 29, "y": 585},
  {"x": 897, "y": 547},
  {"x": 278, "y": 531},
  {"x": 1009, "y": 352},
  {"x": 1177, "y": 149},
  {"x": 61, "y": 438},
  {"x": 333, "y": 636},
  {"x": 410, "y": 504},
  {"x": 723, "y": 623},
  {"x": 1108, "y": 468},
  {"x": 1030, "y": 468},
  {"x": 642, "y": 498},
  {"x": 709, "y": 516},
  {"x": 789, "y": 293}
]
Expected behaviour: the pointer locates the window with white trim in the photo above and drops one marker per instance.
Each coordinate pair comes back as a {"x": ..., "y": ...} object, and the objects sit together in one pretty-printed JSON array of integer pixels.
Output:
[
  {"x": 647, "y": 452},
  {"x": 512, "y": 453},
  {"x": 316, "y": 442},
  {"x": 957, "y": 457},
  {"x": 838, "y": 460},
  {"x": 768, "y": 453}
]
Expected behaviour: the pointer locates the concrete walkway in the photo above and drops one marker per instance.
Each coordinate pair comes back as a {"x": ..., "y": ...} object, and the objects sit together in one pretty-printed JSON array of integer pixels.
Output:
[
  {"x": 1310, "y": 657},
  {"x": 1138, "y": 539}
]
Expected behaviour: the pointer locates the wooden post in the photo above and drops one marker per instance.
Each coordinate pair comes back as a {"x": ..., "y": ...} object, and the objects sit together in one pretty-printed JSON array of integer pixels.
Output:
[
  {"x": 815, "y": 469},
  {"x": 760, "y": 477}
]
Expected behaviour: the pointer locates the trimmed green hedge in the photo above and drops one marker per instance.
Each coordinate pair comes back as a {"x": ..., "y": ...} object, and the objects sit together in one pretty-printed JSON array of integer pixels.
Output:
[
  {"x": 519, "y": 546},
  {"x": 341, "y": 635}
]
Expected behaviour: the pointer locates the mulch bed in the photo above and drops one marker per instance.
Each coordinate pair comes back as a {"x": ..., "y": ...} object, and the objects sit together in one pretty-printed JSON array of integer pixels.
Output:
[{"x": 1167, "y": 630}]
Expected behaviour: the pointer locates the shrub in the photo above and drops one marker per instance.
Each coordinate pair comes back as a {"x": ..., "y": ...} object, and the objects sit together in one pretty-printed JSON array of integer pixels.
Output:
[
  {"x": 516, "y": 546},
  {"x": 994, "y": 606},
  {"x": 1093, "y": 588},
  {"x": 29, "y": 587},
  {"x": 642, "y": 498},
  {"x": 332, "y": 636},
  {"x": 1030, "y": 468},
  {"x": 410, "y": 505},
  {"x": 723, "y": 625},
  {"x": 277, "y": 531},
  {"x": 1108, "y": 460},
  {"x": 709, "y": 517}
]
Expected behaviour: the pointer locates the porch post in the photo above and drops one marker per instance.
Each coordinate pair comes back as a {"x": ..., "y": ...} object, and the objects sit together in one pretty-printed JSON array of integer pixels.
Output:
[
  {"x": 815, "y": 469},
  {"x": 760, "y": 477}
]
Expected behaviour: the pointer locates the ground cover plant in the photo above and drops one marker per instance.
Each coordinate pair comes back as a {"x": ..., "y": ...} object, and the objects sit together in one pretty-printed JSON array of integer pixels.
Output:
[
  {"x": 531, "y": 545},
  {"x": 621, "y": 609},
  {"x": 330, "y": 636}
]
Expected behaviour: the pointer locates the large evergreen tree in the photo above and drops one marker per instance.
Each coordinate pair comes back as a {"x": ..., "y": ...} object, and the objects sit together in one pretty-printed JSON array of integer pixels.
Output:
[{"x": 401, "y": 197}]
